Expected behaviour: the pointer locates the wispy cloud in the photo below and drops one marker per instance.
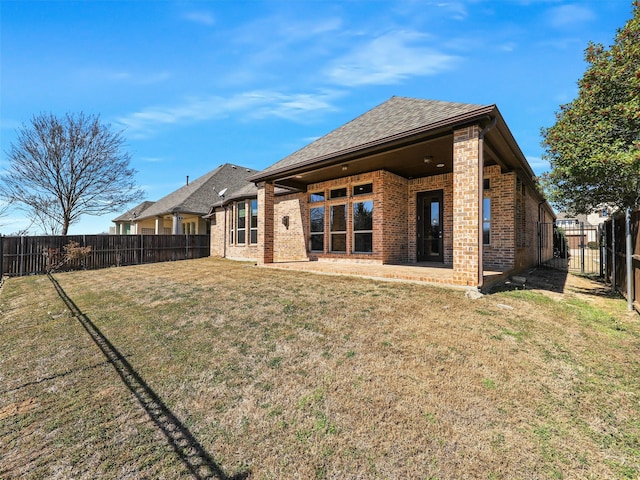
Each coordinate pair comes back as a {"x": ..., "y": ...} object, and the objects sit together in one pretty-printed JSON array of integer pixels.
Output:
[
  {"x": 201, "y": 17},
  {"x": 569, "y": 15},
  {"x": 457, "y": 10},
  {"x": 100, "y": 74},
  {"x": 253, "y": 105},
  {"x": 389, "y": 59}
]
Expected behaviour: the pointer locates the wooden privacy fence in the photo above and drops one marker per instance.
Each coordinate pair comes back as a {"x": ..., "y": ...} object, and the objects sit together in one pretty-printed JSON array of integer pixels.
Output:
[
  {"x": 29, "y": 255},
  {"x": 615, "y": 242}
]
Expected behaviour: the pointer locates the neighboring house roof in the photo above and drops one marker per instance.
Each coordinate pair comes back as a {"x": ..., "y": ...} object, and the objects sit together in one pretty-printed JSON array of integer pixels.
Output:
[
  {"x": 198, "y": 196},
  {"x": 134, "y": 212},
  {"x": 398, "y": 116},
  {"x": 580, "y": 218}
]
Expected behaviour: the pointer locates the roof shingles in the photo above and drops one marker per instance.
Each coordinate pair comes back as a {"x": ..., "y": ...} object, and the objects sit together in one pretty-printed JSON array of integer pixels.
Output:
[{"x": 398, "y": 115}]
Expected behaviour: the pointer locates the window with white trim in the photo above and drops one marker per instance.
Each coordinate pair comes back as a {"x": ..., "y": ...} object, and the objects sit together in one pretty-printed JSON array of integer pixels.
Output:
[
  {"x": 241, "y": 222},
  {"x": 231, "y": 225}
]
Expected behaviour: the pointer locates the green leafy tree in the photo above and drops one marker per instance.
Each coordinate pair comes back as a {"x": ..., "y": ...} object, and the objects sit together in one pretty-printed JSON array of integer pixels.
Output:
[
  {"x": 594, "y": 146},
  {"x": 61, "y": 168}
]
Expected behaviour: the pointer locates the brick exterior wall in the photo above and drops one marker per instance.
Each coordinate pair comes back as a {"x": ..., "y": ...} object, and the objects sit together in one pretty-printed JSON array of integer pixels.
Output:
[
  {"x": 500, "y": 253},
  {"x": 392, "y": 203},
  {"x": 465, "y": 206},
  {"x": 266, "y": 220},
  {"x": 290, "y": 242},
  {"x": 218, "y": 233}
]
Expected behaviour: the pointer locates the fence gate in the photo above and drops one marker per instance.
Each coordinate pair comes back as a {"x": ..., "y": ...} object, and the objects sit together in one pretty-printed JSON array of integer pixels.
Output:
[{"x": 576, "y": 248}]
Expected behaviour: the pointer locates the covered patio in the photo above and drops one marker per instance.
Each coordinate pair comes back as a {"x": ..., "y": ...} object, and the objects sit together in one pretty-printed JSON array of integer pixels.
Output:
[{"x": 424, "y": 272}]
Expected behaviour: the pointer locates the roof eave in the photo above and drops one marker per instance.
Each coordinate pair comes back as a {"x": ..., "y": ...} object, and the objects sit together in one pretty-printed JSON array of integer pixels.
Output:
[{"x": 338, "y": 156}]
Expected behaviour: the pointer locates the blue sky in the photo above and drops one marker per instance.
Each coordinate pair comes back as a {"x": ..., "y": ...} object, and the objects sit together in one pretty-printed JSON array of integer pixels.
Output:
[{"x": 195, "y": 84}]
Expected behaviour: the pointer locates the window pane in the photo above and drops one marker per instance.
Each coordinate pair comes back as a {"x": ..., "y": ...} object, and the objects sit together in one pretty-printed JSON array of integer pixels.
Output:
[
  {"x": 486, "y": 210},
  {"x": 363, "y": 189},
  {"x": 486, "y": 221},
  {"x": 242, "y": 214},
  {"x": 241, "y": 236},
  {"x": 363, "y": 215},
  {"x": 363, "y": 242},
  {"x": 316, "y": 197},
  {"x": 338, "y": 218},
  {"x": 253, "y": 236},
  {"x": 317, "y": 242},
  {"x": 338, "y": 242},
  {"x": 317, "y": 219},
  {"x": 254, "y": 214},
  {"x": 435, "y": 214},
  {"x": 339, "y": 193}
]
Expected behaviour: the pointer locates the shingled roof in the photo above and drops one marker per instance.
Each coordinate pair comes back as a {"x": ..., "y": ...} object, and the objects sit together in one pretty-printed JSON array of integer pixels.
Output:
[
  {"x": 396, "y": 116},
  {"x": 134, "y": 213},
  {"x": 198, "y": 196}
]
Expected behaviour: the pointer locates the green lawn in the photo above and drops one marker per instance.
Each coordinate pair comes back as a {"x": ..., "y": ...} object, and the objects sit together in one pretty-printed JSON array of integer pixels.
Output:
[{"x": 218, "y": 369}]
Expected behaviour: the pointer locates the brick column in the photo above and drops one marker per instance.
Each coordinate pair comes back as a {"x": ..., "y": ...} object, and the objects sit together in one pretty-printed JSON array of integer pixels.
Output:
[
  {"x": 466, "y": 207},
  {"x": 265, "y": 222}
]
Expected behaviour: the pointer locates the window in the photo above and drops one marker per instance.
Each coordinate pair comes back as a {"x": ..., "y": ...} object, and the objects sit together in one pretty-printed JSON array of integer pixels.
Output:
[
  {"x": 486, "y": 221},
  {"x": 241, "y": 222},
  {"x": 316, "y": 197},
  {"x": 338, "y": 226},
  {"x": 316, "y": 236},
  {"x": 363, "y": 227},
  {"x": 486, "y": 184},
  {"x": 338, "y": 193},
  {"x": 253, "y": 232},
  {"x": 231, "y": 223},
  {"x": 362, "y": 189}
]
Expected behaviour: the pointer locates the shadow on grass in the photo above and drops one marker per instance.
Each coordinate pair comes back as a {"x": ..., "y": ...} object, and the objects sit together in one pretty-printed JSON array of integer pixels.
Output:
[
  {"x": 191, "y": 453},
  {"x": 53, "y": 377},
  {"x": 541, "y": 278}
]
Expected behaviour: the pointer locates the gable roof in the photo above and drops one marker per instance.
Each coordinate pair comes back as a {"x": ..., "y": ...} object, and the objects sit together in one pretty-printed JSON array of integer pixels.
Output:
[
  {"x": 398, "y": 116},
  {"x": 134, "y": 213},
  {"x": 198, "y": 196}
]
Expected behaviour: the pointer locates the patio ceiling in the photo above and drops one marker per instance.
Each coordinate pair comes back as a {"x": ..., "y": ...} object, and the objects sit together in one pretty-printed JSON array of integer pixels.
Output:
[{"x": 413, "y": 158}]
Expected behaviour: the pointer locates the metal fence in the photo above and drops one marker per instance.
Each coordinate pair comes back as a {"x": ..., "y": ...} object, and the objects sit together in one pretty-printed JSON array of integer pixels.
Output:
[
  {"x": 615, "y": 265},
  {"x": 577, "y": 248},
  {"x": 29, "y": 255}
]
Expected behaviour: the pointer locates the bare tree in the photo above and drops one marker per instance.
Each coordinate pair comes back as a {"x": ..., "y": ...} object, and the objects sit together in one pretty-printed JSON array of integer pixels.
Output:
[{"x": 61, "y": 168}]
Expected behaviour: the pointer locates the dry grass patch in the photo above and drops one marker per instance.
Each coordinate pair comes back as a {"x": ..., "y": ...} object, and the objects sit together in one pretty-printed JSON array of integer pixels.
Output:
[{"x": 292, "y": 375}]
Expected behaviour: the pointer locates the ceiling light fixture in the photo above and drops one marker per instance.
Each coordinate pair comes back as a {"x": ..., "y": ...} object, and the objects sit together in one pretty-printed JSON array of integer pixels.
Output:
[
  {"x": 428, "y": 159},
  {"x": 344, "y": 168},
  {"x": 440, "y": 165}
]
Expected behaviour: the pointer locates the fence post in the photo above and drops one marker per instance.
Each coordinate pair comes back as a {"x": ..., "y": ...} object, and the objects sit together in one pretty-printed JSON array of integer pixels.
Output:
[
  {"x": 613, "y": 253},
  {"x": 141, "y": 248},
  {"x": 21, "y": 255},
  {"x": 601, "y": 250},
  {"x": 581, "y": 247},
  {"x": 1, "y": 257},
  {"x": 629, "y": 254}
]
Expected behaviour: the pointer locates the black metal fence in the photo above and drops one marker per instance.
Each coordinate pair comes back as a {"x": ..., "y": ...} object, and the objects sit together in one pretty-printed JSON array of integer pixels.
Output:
[
  {"x": 29, "y": 255},
  {"x": 577, "y": 248}
]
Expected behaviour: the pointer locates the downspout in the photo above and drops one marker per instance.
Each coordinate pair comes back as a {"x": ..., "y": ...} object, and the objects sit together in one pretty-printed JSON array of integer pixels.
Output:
[
  {"x": 540, "y": 233},
  {"x": 492, "y": 124},
  {"x": 224, "y": 233}
]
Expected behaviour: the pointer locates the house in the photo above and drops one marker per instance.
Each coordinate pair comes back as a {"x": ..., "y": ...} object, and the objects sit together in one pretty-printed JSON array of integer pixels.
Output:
[
  {"x": 410, "y": 182},
  {"x": 182, "y": 211},
  {"x": 125, "y": 223}
]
